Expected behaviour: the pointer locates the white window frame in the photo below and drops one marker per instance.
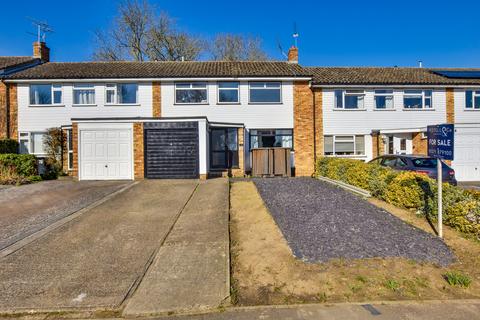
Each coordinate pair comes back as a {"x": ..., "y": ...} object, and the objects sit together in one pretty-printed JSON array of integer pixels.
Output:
[
  {"x": 84, "y": 88},
  {"x": 54, "y": 87},
  {"x": 354, "y": 140},
  {"x": 475, "y": 93},
  {"x": 350, "y": 92},
  {"x": 24, "y": 136},
  {"x": 265, "y": 88},
  {"x": 114, "y": 87},
  {"x": 416, "y": 95},
  {"x": 27, "y": 136},
  {"x": 69, "y": 149},
  {"x": 219, "y": 89},
  {"x": 383, "y": 94},
  {"x": 191, "y": 88}
]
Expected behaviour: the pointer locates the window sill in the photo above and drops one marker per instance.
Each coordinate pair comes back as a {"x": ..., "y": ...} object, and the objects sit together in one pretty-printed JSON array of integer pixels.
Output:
[
  {"x": 384, "y": 109},
  {"x": 191, "y": 104},
  {"x": 407, "y": 109},
  {"x": 363, "y": 109},
  {"x": 228, "y": 103},
  {"x": 46, "y": 106},
  {"x": 346, "y": 156},
  {"x": 471, "y": 109},
  {"x": 84, "y": 105},
  {"x": 123, "y": 105},
  {"x": 265, "y": 103}
]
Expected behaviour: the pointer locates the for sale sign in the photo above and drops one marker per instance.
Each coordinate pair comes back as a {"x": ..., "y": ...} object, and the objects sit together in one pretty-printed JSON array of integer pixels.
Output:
[{"x": 441, "y": 141}]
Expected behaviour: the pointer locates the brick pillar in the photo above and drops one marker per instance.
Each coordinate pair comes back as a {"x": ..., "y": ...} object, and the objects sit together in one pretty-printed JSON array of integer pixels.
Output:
[
  {"x": 3, "y": 111},
  {"x": 138, "y": 151},
  {"x": 75, "y": 138},
  {"x": 65, "y": 151},
  {"x": 240, "y": 172},
  {"x": 13, "y": 111},
  {"x": 157, "y": 99},
  {"x": 450, "y": 105},
  {"x": 318, "y": 96},
  {"x": 303, "y": 128},
  {"x": 419, "y": 145},
  {"x": 378, "y": 146}
]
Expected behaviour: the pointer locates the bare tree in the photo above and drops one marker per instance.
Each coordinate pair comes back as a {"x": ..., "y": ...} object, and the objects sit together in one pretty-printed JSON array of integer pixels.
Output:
[
  {"x": 140, "y": 34},
  {"x": 231, "y": 47}
]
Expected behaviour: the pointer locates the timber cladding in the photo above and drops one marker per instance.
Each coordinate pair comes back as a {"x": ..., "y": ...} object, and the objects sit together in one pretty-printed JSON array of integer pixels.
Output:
[{"x": 303, "y": 133}]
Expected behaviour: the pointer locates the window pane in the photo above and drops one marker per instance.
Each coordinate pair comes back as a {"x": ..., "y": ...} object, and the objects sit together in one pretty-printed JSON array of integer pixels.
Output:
[
  {"x": 110, "y": 96},
  {"x": 228, "y": 95},
  {"x": 41, "y": 94},
  {"x": 232, "y": 139},
  {"x": 191, "y": 96},
  {"x": 228, "y": 85},
  {"x": 272, "y": 85},
  {"x": 344, "y": 147},
  {"x": 468, "y": 99},
  {"x": 413, "y": 91},
  {"x": 380, "y": 102},
  {"x": 182, "y": 85},
  {"x": 23, "y": 146},
  {"x": 338, "y": 99},
  {"x": 127, "y": 93},
  {"x": 70, "y": 160},
  {"x": 84, "y": 96},
  {"x": 257, "y": 84},
  {"x": 477, "y": 102},
  {"x": 264, "y": 95},
  {"x": 218, "y": 140},
  {"x": 360, "y": 145},
  {"x": 412, "y": 102},
  {"x": 70, "y": 140},
  {"x": 344, "y": 138},
  {"x": 328, "y": 145},
  {"x": 199, "y": 85},
  {"x": 353, "y": 102},
  {"x": 384, "y": 91},
  {"x": 428, "y": 102},
  {"x": 428, "y": 93},
  {"x": 37, "y": 143},
  {"x": 57, "y": 96}
]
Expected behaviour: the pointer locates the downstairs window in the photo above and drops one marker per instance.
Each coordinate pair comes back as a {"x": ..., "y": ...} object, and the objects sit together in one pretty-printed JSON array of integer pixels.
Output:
[{"x": 344, "y": 145}]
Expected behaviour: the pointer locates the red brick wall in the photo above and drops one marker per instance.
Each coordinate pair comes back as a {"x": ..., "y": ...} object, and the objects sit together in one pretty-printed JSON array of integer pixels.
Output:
[
  {"x": 318, "y": 96},
  {"x": 138, "y": 151},
  {"x": 303, "y": 128},
  {"x": 3, "y": 110},
  {"x": 156, "y": 97},
  {"x": 75, "y": 149},
  {"x": 419, "y": 145},
  {"x": 450, "y": 106}
]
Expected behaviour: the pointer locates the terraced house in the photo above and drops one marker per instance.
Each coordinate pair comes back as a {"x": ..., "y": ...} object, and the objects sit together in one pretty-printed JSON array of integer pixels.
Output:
[{"x": 134, "y": 120}]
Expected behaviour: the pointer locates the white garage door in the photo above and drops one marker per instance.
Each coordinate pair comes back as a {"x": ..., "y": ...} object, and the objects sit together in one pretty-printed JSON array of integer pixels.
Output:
[
  {"x": 467, "y": 153},
  {"x": 106, "y": 154}
]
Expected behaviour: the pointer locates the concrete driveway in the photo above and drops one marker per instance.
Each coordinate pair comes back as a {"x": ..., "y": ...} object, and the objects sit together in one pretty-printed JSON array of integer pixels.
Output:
[
  {"x": 98, "y": 260},
  {"x": 30, "y": 208}
]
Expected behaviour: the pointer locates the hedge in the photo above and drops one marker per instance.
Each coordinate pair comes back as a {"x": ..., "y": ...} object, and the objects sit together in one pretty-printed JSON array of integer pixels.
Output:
[
  {"x": 409, "y": 190},
  {"x": 8, "y": 146},
  {"x": 22, "y": 164}
]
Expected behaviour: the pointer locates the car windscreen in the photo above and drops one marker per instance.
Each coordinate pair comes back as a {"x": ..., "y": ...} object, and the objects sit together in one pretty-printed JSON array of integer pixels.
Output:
[{"x": 424, "y": 162}]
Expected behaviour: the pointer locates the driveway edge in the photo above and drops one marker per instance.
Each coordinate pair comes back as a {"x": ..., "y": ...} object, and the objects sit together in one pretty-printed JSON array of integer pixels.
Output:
[{"x": 42, "y": 232}]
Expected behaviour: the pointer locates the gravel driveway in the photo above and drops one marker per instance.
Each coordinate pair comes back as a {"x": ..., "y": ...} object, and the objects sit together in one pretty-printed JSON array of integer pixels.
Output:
[
  {"x": 30, "y": 208},
  {"x": 322, "y": 222}
]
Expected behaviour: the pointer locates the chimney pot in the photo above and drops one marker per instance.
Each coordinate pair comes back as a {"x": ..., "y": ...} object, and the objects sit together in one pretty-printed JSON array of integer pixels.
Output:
[
  {"x": 41, "y": 51},
  {"x": 293, "y": 54}
]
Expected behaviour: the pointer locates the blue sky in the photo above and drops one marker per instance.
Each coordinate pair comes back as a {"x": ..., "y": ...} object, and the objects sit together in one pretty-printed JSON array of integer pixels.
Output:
[{"x": 332, "y": 33}]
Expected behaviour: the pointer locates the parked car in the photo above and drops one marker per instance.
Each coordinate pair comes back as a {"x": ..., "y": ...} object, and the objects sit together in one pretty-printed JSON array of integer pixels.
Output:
[{"x": 418, "y": 163}]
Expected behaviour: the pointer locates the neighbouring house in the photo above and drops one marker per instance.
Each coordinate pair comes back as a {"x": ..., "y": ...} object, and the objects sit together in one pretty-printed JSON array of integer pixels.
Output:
[{"x": 134, "y": 120}]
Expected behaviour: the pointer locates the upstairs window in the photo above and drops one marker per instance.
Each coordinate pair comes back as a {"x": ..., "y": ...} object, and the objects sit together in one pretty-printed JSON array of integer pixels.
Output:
[
  {"x": 383, "y": 99},
  {"x": 83, "y": 94},
  {"x": 472, "y": 100},
  {"x": 344, "y": 145},
  {"x": 45, "y": 94},
  {"x": 121, "y": 93},
  {"x": 191, "y": 93},
  {"x": 349, "y": 99},
  {"x": 265, "y": 92},
  {"x": 417, "y": 99},
  {"x": 228, "y": 92}
]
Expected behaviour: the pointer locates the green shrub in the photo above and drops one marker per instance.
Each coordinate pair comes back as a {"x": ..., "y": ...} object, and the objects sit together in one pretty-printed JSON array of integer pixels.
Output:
[
  {"x": 408, "y": 190},
  {"x": 25, "y": 165},
  {"x": 457, "y": 279},
  {"x": 8, "y": 146}
]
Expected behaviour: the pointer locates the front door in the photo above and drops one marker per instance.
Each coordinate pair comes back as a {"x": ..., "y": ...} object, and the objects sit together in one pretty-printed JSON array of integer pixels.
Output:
[{"x": 223, "y": 148}]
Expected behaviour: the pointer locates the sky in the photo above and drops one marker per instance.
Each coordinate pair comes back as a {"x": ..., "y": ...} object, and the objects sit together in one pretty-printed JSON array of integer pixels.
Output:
[{"x": 331, "y": 33}]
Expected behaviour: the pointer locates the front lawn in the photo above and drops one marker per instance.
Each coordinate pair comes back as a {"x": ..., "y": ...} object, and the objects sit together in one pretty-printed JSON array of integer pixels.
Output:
[{"x": 265, "y": 271}]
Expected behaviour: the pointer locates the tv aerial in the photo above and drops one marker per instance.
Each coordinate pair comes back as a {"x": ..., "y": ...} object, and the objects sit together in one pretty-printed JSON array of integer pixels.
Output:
[{"x": 42, "y": 29}]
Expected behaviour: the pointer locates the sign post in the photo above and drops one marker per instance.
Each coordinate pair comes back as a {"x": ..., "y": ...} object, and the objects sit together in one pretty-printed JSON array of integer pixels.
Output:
[{"x": 440, "y": 146}]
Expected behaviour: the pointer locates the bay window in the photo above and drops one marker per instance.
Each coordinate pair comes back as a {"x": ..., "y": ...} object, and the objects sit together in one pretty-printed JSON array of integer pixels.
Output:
[
  {"x": 349, "y": 99},
  {"x": 270, "y": 138},
  {"x": 265, "y": 92},
  {"x": 383, "y": 99},
  {"x": 121, "y": 93},
  {"x": 472, "y": 100},
  {"x": 348, "y": 145},
  {"x": 191, "y": 93},
  {"x": 417, "y": 99},
  {"x": 83, "y": 94},
  {"x": 45, "y": 94}
]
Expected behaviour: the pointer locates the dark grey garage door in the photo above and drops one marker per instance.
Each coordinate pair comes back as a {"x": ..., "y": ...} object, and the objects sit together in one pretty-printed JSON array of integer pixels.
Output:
[{"x": 171, "y": 150}]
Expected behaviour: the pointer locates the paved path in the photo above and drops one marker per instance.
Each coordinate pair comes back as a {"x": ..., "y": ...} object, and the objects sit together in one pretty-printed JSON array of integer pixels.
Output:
[
  {"x": 95, "y": 260},
  {"x": 433, "y": 310},
  {"x": 191, "y": 269},
  {"x": 321, "y": 222},
  {"x": 27, "y": 209}
]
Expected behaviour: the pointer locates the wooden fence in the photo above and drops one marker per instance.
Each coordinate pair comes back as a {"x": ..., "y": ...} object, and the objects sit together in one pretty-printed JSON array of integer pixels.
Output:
[{"x": 270, "y": 162}]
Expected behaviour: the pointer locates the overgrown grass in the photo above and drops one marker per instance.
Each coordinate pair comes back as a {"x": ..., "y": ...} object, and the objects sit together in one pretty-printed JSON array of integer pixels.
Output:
[{"x": 392, "y": 284}]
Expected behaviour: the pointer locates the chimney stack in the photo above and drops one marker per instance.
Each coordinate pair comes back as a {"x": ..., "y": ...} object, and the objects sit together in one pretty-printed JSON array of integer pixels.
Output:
[
  {"x": 293, "y": 54},
  {"x": 40, "y": 50}
]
